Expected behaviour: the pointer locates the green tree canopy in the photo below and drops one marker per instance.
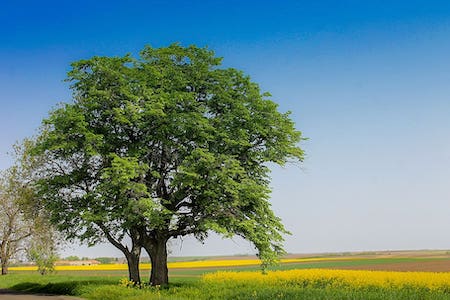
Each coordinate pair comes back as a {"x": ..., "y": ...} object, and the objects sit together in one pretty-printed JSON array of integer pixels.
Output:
[{"x": 165, "y": 145}]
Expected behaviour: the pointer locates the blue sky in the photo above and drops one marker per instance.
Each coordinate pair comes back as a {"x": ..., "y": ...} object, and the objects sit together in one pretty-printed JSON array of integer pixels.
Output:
[{"x": 367, "y": 83}]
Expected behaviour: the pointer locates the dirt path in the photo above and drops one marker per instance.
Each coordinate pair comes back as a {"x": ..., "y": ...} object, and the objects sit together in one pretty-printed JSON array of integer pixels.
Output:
[{"x": 12, "y": 295}]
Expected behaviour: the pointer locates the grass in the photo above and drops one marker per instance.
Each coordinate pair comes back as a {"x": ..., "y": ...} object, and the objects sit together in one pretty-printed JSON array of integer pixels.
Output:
[
  {"x": 193, "y": 288},
  {"x": 187, "y": 284}
]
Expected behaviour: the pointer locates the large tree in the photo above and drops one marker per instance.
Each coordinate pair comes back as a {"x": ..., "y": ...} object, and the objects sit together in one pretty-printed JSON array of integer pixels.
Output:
[{"x": 165, "y": 145}]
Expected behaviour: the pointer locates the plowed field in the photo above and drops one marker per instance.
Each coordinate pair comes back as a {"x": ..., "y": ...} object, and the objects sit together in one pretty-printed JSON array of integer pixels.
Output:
[{"x": 423, "y": 266}]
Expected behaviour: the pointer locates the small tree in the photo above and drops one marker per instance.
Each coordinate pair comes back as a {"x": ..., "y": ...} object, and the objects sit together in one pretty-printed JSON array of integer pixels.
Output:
[
  {"x": 23, "y": 225},
  {"x": 163, "y": 146},
  {"x": 43, "y": 247},
  {"x": 44, "y": 256},
  {"x": 16, "y": 227}
]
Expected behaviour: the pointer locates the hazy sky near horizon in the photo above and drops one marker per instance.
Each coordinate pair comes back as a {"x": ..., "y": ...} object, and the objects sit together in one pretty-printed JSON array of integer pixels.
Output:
[{"x": 368, "y": 82}]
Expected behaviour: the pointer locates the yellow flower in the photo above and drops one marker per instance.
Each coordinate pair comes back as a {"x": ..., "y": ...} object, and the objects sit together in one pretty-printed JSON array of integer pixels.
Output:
[{"x": 337, "y": 278}]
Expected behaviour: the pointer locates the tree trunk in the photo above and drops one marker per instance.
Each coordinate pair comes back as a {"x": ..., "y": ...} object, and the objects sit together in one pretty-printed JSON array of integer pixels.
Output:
[
  {"x": 133, "y": 264},
  {"x": 4, "y": 257},
  {"x": 4, "y": 267},
  {"x": 131, "y": 256},
  {"x": 157, "y": 250}
]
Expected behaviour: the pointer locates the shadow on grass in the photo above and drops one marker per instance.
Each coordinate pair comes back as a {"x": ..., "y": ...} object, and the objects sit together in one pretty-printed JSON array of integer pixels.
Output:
[
  {"x": 74, "y": 288},
  {"x": 70, "y": 288}
]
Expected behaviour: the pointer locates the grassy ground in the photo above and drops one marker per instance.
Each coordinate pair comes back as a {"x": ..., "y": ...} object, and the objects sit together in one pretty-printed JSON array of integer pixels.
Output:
[
  {"x": 107, "y": 287},
  {"x": 187, "y": 283}
]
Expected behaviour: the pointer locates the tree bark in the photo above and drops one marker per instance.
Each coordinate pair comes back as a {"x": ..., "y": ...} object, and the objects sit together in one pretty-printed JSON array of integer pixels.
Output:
[
  {"x": 133, "y": 264},
  {"x": 132, "y": 255},
  {"x": 4, "y": 267},
  {"x": 157, "y": 250},
  {"x": 3, "y": 258}
]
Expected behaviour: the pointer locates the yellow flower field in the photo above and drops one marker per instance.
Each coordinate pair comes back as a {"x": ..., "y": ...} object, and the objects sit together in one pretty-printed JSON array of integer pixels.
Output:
[
  {"x": 175, "y": 265},
  {"x": 336, "y": 278}
]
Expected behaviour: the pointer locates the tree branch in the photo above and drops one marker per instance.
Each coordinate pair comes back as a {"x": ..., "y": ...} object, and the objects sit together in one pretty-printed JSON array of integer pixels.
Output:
[{"x": 111, "y": 239}]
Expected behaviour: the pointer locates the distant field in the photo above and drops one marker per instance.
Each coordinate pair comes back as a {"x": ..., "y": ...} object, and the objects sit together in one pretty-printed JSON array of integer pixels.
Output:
[
  {"x": 427, "y": 261},
  {"x": 330, "y": 276}
]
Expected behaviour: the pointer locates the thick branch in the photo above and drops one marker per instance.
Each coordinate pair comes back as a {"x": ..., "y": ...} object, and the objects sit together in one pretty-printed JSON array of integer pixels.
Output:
[{"x": 111, "y": 239}]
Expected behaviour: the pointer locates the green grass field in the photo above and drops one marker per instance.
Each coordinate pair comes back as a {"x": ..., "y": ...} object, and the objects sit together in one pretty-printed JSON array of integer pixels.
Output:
[{"x": 187, "y": 284}]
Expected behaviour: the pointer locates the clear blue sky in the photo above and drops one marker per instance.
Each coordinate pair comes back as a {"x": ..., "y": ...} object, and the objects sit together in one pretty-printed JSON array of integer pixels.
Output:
[{"x": 368, "y": 83}]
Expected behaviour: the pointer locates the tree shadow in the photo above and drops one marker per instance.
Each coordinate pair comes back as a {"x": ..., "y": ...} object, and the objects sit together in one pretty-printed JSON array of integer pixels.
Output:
[{"x": 69, "y": 288}]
